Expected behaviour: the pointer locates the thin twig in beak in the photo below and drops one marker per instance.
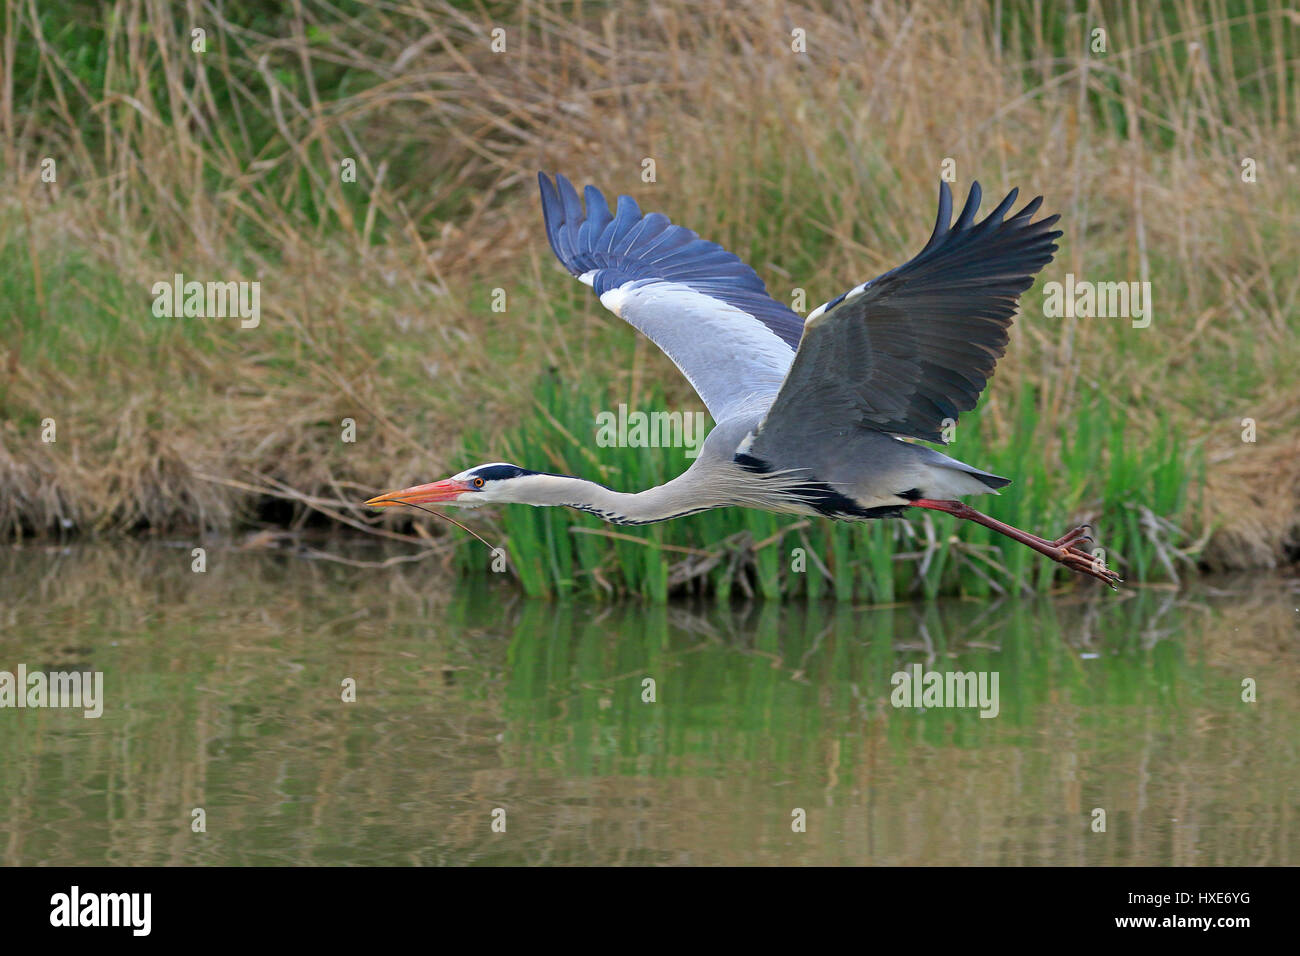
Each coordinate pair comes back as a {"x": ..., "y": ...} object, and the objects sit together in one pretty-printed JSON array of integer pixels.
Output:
[{"x": 439, "y": 514}]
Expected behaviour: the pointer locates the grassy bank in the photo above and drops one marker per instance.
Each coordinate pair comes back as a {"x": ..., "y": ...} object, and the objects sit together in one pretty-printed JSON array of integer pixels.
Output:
[{"x": 818, "y": 168}]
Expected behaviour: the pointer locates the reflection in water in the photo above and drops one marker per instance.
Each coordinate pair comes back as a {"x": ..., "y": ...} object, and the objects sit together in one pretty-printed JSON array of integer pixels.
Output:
[{"x": 224, "y": 692}]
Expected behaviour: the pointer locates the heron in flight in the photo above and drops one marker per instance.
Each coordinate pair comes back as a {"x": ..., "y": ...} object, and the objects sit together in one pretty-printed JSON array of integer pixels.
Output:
[{"x": 810, "y": 416}]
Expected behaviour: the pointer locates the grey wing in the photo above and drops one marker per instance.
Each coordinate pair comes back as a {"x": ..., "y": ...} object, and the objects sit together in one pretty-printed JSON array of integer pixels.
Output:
[
  {"x": 915, "y": 346},
  {"x": 707, "y": 310}
]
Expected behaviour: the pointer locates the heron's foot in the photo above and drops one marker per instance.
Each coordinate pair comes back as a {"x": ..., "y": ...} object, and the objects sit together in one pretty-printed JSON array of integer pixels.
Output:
[{"x": 1071, "y": 551}]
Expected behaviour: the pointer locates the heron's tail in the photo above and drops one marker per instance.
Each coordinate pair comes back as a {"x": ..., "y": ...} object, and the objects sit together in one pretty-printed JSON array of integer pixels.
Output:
[
  {"x": 951, "y": 478},
  {"x": 993, "y": 481}
]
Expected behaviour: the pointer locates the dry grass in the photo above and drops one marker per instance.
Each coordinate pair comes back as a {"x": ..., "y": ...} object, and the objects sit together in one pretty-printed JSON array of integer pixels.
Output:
[{"x": 819, "y": 169}]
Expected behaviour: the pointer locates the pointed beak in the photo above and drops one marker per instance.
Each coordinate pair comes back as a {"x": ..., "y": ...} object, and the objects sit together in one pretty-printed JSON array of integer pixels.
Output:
[{"x": 448, "y": 490}]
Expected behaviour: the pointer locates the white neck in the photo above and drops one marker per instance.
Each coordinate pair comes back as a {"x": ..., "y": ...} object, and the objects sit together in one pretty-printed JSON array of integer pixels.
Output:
[{"x": 670, "y": 500}]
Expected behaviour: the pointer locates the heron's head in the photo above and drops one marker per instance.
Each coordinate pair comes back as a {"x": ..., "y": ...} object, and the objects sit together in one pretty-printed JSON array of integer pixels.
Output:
[{"x": 480, "y": 485}]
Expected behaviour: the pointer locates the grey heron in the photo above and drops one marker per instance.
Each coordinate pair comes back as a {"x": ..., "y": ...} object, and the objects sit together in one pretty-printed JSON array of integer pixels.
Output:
[{"x": 811, "y": 417}]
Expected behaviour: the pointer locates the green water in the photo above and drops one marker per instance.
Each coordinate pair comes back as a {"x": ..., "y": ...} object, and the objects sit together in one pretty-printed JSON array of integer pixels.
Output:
[{"x": 223, "y": 691}]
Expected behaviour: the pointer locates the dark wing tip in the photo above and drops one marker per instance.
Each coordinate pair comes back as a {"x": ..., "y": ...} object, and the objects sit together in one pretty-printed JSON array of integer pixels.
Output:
[
  {"x": 1000, "y": 213},
  {"x": 552, "y": 212},
  {"x": 547, "y": 190},
  {"x": 973, "y": 199},
  {"x": 1029, "y": 208},
  {"x": 942, "y": 220},
  {"x": 565, "y": 219}
]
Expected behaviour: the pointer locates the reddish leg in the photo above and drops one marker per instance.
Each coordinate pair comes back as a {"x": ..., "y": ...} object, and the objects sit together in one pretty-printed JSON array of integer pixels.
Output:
[
  {"x": 1072, "y": 538},
  {"x": 1064, "y": 550}
]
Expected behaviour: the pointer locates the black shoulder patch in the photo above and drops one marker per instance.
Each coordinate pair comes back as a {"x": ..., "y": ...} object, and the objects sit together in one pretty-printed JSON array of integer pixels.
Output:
[
  {"x": 824, "y": 499},
  {"x": 750, "y": 463},
  {"x": 831, "y": 503}
]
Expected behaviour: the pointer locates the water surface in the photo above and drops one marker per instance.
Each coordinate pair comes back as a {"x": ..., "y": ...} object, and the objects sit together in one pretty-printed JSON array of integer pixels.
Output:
[{"x": 223, "y": 692}]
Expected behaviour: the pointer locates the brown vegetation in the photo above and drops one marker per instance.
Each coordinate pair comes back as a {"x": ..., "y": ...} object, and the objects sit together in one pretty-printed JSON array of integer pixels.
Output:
[{"x": 818, "y": 168}]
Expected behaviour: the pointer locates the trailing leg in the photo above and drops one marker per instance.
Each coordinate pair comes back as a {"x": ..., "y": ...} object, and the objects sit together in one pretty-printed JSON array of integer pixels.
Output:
[{"x": 1064, "y": 550}]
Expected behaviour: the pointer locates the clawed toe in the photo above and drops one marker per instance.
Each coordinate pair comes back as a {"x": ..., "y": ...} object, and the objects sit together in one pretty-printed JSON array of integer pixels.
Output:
[
  {"x": 1084, "y": 563},
  {"x": 1073, "y": 555}
]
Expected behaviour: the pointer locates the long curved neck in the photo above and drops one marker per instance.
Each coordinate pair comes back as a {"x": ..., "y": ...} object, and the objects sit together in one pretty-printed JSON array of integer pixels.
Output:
[{"x": 672, "y": 499}]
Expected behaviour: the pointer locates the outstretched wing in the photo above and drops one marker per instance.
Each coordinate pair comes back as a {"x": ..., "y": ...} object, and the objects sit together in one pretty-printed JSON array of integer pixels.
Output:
[
  {"x": 915, "y": 346},
  {"x": 708, "y": 311}
]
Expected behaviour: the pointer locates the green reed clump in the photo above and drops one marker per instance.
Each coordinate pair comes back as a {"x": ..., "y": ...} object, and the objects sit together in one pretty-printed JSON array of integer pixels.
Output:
[{"x": 1094, "y": 470}]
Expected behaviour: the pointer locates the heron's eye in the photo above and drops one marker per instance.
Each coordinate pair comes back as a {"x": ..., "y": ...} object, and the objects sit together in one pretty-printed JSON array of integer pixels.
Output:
[{"x": 478, "y": 482}]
